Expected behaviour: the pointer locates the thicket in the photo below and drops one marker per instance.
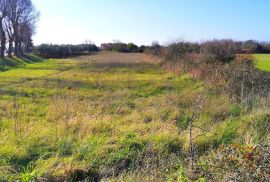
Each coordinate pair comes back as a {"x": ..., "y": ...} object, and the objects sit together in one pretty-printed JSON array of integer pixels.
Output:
[
  {"x": 225, "y": 72},
  {"x": 219, "y": 64},
  {"x": 63, "y": 51}
]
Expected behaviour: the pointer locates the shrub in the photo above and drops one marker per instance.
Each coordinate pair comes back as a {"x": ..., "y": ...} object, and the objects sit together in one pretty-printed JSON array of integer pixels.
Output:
[
  {"x": 245, "y": 82},
  {"x": 132, "y": 47},
  {"x": 180, "y": 50},
  {"x": 66, "y": 147},
  {"x": 182, "y": 122},
  {"x": 237, "y": 163},
  {"x": 121, "y": 47},
  {"x": 235, "y": 111},
  {"x": 219, "y": 50}
]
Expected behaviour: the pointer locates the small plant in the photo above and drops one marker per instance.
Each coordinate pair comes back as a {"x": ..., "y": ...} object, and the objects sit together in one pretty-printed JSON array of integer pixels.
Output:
[
  {"x": 66, "y": 146},
  {"x": 28, "y": 174},
  {"x": 235, "y": 111}
]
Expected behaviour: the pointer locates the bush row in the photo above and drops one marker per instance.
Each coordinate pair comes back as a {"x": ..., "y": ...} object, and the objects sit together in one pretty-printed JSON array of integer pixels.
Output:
[
  {"x": 122, "y": 47},
  {"x": 63, "y": 51}
]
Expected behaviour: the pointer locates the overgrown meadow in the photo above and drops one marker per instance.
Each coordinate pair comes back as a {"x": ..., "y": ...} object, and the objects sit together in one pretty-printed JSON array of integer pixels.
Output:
[{"x": 112, "y": 117}]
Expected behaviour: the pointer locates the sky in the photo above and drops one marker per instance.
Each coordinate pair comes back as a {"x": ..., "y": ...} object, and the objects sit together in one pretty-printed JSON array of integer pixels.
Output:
[{"x": 145, "y": 21}]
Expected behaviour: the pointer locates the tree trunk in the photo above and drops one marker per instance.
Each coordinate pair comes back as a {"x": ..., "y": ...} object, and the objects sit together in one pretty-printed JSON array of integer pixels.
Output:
[
  {"x": 3, "y": 46},
  {"x": 20, "y": 48},
  {"x": 10, "y": 42},
  {"x": 16, "y": 52},
  {"x": 3, "y": 40},
  {"x": 26, "y": 47}
]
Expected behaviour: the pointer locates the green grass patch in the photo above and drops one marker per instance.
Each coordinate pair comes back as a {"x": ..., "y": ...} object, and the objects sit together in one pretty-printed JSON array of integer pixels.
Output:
[
  {"x": 262, "y": 61},
  {"x": 14, "y": 62}
]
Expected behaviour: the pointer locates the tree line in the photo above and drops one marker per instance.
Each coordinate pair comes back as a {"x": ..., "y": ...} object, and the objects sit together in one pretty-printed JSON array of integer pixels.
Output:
[
  {"x": 67, "y": 50},
  {"x": 63, "y": 51},
  {"x": 236, "y": 47},
  {"x": 118, "y": 46},
  {"x": 17, "y": 25},
  {"x": 223, "y": 50}
]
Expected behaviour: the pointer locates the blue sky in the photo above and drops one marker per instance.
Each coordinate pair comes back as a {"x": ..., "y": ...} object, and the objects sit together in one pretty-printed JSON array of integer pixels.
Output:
[{"x": 143, "y": 21}]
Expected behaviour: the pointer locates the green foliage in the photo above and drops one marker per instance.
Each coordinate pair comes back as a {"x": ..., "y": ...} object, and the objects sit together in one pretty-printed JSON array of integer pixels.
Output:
[
  {"x": 66, "y": 146},
  {"x": 122, "y": 47},
  {"x": 235, "y": 111},
  {"x": 132, "y": 47},
  {"x": 28, "y": 174},
  {"x": 182, "y": 122},
  {"x": 63, "y": 51},
  {"x": 179, "y": 176}
]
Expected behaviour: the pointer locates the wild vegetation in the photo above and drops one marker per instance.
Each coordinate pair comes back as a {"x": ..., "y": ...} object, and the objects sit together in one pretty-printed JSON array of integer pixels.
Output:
[
  {"x": 116, "y": 116},
  {"x": 186, "y": 111}
]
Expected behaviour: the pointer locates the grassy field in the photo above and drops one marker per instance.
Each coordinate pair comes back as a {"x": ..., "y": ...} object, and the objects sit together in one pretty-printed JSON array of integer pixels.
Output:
[
  {"x": 109, "y": 116},
  {"x": 262, "y": 61}
]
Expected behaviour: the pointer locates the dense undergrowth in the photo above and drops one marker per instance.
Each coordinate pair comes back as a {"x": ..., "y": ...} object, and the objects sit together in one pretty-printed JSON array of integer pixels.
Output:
[{"x": 112, "y": 117}]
